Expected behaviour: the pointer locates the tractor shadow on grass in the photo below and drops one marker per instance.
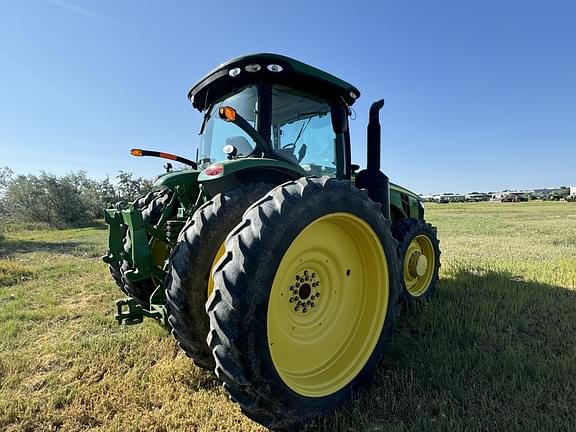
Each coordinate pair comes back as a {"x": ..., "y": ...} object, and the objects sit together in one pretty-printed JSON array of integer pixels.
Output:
[
  {"x": 9, "y": 247},
  {"x": 491, "y": 351},
  {"x": 97, "y": 224}
]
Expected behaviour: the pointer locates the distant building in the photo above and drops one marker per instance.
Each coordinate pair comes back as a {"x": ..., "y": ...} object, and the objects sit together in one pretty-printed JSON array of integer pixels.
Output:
[{"x": 572, "y": 190}]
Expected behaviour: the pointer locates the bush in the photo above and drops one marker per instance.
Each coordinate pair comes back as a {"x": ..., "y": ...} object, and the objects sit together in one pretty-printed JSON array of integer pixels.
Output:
[
  {"x": 70, "y": 200},
  {"x": 95, "y": 195},
  {"x": 5, "y": 179},
  {"x": 47, "y": 198},
  {"x": 129, "y": 189}
]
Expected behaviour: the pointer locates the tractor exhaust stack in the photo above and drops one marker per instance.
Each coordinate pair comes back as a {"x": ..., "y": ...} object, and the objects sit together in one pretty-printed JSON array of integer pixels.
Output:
[
  {"x": 372, "y": 179},
  {"x": 373, "y": 163}
]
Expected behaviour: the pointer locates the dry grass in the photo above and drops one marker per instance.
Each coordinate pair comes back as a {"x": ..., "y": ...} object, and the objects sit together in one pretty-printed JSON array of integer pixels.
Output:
[{"x": 496, "y": 350}]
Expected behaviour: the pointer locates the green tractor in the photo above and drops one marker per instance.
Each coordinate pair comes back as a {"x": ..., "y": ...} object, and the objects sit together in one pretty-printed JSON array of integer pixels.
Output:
[{"x": 274, "y": 261}]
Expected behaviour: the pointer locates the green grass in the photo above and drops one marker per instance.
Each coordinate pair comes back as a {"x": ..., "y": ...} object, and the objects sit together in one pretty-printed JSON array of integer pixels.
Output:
[{"x": 495, "y": 350}]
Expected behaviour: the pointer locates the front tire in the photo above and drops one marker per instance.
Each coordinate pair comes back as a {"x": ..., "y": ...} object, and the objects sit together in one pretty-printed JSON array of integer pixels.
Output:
[
  {"x": 304, "y": 301},
  {"x": 419, "y": 253}
]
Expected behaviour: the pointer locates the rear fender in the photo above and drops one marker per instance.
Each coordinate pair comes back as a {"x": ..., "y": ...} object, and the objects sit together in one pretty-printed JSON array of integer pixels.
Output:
[{"x": 235, "y": 172}]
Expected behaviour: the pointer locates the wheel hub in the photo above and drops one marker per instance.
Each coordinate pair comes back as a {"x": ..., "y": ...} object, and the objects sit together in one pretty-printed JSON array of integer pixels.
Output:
[
  {"x": 417, "y": 264},
  {"x": 305, "y": 291},
  {"x": 421, "y": 265}
]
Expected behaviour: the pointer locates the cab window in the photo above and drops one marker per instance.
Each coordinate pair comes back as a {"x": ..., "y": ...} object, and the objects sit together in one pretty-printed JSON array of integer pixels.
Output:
[
  {"x": 302, "y": 130},
  {"x": 216, "y": 133}
]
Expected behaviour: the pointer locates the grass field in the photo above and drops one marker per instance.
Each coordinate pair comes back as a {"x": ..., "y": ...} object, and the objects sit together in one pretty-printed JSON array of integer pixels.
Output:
[{"x": 495, "y": 350}]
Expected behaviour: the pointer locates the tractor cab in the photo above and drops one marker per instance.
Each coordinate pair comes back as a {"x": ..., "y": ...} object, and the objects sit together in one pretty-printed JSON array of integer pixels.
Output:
[{"x": 273, "y": 107}]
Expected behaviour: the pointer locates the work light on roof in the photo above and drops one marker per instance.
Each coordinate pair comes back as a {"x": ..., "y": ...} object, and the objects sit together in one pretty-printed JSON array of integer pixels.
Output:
[
  {"x": 274, "y": 68},
  {"x": 234, "y": 72},
  {"x": 252, "y": 67},
  {"x": 353, "y": 95}
]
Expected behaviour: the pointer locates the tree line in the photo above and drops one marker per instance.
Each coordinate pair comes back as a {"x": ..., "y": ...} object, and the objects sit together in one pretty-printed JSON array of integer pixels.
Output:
[{"x": 70, "y": 200}]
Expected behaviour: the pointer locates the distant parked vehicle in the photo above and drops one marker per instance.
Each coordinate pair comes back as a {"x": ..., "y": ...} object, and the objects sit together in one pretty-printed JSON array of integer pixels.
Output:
[
  {"x": 558, "y": 194},
  {"x": 450, "y": 197},
  {"x": 477, "y": 197},
  {"x": 512, "y": 197}
]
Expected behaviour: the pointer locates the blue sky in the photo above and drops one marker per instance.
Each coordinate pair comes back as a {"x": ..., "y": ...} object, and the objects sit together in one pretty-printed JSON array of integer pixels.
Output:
[{"x": 480, "y": 95}]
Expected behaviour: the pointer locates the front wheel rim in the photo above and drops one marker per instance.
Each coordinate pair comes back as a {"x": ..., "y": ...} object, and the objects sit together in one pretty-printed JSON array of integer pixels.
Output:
[
  {"x": 327, "y": 305},
  {"x": 418, "y": 265}
]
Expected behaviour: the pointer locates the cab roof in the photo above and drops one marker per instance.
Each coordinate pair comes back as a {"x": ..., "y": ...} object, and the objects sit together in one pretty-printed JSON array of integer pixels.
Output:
[{"x": 221, "y": 81}]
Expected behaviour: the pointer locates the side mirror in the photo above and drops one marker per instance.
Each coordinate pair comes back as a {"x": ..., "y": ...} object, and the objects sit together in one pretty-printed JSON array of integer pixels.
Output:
[{"x": 230, "y": 151}]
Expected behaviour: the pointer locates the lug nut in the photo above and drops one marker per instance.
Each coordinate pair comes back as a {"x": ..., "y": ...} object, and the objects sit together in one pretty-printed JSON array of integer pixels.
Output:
[
  {"x": 296, "y": 309},
  {"x": 304, "y": 310},
  {"x": 291, "y": 287},
  {"x": 318, "y": 294},
  {"x": 312, "y": 304},
  {"x": 313, "y": 275},
  {"x": 305, "y": 272},
  {"x": 297, "y": 277},
  {"x": 291, "y": 299}
]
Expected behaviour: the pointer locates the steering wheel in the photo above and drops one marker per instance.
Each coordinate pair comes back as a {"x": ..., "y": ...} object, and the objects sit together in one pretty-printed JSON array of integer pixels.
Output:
[{"x": 292, "y": 148}]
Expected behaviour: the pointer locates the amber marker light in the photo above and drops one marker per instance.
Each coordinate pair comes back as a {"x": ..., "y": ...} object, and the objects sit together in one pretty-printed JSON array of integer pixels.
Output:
[
  {"x": 168, "y": 156},
  {"x": 227, "y": 113},
  {"x": 136, "y": 152}
]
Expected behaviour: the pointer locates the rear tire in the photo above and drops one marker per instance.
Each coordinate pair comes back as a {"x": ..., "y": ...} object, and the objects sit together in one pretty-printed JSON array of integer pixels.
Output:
[
  {"x": 151, "y": 206},
  {"x": 419, "y": 254},
  {"x": 286, "y": 353},
  {"x": 189, "y": 279}
]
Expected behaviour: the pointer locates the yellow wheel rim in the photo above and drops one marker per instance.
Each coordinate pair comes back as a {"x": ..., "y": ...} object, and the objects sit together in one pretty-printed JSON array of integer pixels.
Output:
[
  {"x": 418, "y": 265},
  {"x": 219, "y": 254},
  {"x": 327, "y": 304}
]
